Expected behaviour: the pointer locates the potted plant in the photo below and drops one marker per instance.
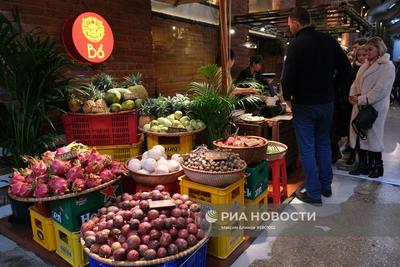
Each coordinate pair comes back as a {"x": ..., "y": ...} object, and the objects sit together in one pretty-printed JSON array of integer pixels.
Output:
[
  {"x": 32, "y": 76},
  {"x": 214, "y": 106}
]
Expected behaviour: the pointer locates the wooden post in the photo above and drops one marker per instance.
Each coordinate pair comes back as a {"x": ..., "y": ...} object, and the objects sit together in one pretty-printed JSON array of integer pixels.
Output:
[{"x": 224, "y": 43}]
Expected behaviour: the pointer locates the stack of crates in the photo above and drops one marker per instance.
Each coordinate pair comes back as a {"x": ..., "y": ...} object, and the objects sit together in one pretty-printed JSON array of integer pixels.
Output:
[
  {"x": 42, "y": 229},
  {"x": 256, "y": 197},
  {"x": 114, "y": 134},
  {"x": 178, "y": 144},
  {"x": 222, "y": 245},
  {"x": 69, "y": 214}
]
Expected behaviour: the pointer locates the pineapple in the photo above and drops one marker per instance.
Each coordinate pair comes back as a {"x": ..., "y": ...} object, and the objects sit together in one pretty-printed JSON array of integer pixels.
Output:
[
  {"x": 134, "y": 84},
  {"x": 84, "y": 96},
  {"x": 103, "y": 82}
]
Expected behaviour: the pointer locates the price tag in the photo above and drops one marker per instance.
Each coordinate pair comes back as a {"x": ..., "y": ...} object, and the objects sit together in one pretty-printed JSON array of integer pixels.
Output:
[
  {"x": 176, "y": 130},
  {"x": 67, "y": 156},
  {"x": 216, "y": 155},
  {"x": 130, "y": 96},
  {"x": 162, "y": 204}
]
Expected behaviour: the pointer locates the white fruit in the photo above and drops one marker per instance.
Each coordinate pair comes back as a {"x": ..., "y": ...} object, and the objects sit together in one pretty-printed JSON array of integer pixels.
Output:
[
  {"x": 149, "y": 164},
  {"x": 162, "y": 161},
  {"x": 154, "y": 154},
  {"x": 177, "y": 157},
  {"x": 159, "y": 147},
  {"x": 134, "y": 165},
  {"x": 162, "y": 169},
  {"x": 143, "y": 171},
  {"x": 173, "y": 166},
  {"x": 144, "y": 156}
]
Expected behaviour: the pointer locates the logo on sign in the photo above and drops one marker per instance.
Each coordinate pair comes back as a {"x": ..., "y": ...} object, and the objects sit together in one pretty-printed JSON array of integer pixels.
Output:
[{"x": 89, "y": 37}]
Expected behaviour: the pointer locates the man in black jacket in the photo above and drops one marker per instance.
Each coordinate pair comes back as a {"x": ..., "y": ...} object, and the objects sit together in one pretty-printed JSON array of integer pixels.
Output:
[{"x": 308, "y": 86}]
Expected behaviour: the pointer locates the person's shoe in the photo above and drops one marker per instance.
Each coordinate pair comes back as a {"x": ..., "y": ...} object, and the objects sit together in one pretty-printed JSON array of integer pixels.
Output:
[
  {"x": 361, "y": 169},
  {"x": 376, "y": 171},
  {"x": 307, "y": 199},
  {"x": 326, "y": 192}
]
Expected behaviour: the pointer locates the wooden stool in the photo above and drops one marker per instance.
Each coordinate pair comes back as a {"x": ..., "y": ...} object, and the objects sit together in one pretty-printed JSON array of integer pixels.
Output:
[{"x": 279, "y": 180}]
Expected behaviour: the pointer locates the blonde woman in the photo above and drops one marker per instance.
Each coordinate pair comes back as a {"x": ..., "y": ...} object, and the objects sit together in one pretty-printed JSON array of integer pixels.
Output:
[{"x": 372, "y": 86}]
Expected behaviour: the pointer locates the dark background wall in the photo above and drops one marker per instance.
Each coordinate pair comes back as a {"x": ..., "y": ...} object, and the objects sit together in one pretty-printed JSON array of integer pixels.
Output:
[{"x": 129, "y": 20}]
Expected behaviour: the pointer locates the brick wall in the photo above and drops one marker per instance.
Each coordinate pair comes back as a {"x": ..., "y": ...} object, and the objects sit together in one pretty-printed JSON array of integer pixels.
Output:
[
  {"x": 178, "y": 56},
  {"x": 129, "y": 20}
]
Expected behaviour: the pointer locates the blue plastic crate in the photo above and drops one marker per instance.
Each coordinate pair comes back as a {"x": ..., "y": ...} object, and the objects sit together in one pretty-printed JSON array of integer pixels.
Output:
[{"x": 196, "y": 259}]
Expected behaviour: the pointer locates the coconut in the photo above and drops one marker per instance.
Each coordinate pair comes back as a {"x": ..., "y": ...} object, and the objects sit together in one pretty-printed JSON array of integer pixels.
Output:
[
  {"x": 159, "y": 147},
  {"x": 173, "y": 166},
  {"x": 177, "y": 158},
  {"x": 149, "y": 164},
  {"x": 162, "y": 169},
  {"x": 143, "y": 171},
  {"x": 134, "y": 165},
  {"x": 154, "y": 153},
  {"x": 162, "y": 161},
  {"x": 144, "y": 156}
]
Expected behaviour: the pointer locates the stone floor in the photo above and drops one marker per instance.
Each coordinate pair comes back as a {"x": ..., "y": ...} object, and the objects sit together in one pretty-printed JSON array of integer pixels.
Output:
[{"x": 343, "y": 248}]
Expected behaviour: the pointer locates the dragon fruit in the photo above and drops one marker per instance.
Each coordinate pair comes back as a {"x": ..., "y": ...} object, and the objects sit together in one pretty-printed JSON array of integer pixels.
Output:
[
  {"x": 94, "y": 155},
  {"x": 26, "y": 190},
  {"x": 74, "y": 173},
  {"x": 107, "y": 175},
  {"x": 41, "y": 190},
  {"x": 82, "y": 157},
  {"x": 16, "y": 187},
  {"x": 48, "y": 156},
  {"x": 94, "y": 166},
  {"x": 58, "y": 185},
  {"x": 62, "y": 150},
  {"x": 93, "y": 180},
  {"x": 39, "y": 167},
  {"x": 117, "y": 167},
  {"x": 17, "y": 177},
  {"x": 42, "y": 179},
  {"x": 78, "y": 185},
  {"x": 58, "y": 166},
  {"x": 26, "y": 172},
  {"x": 31, "y": 178}
]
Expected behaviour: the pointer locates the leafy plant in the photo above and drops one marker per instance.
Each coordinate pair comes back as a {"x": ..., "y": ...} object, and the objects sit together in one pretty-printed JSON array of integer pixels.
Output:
[
  {"x": 103, "y": 82},
  {"x": 214, "y": 106},
  {"x": 32, "y": 74}
]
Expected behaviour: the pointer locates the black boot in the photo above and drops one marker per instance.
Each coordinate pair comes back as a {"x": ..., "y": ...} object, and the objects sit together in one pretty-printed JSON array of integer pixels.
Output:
[
  {"x": 336, "y": 155},
  {"x": 362, "y": 167},
  {"x": 352, "y": 157},
  {"x": 377, "y": 165}
]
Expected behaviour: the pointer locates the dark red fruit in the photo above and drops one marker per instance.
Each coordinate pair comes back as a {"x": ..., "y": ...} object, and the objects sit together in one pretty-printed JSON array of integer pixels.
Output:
[
  {"x": 160, "y": 188},
  {"x": 118, "y": 221},
  {"x": 200, "y": 234},
  {"x": 155, "y": 234},
  {"x": 183, "y": 233},
  {"x": 133, "y": 242},
  {"x": 150, "y": 254},
  {"x": 132, "y": 255},
  {"x": 126, "y": 205},
  {"x": 180, "y": 223},
  {"x": 165, "y": 239},
  {"x": 145, "y": 239},
  {"x": 125, "y": 229},
  {"x": 168, "y": 224},
  {"x": 174, "y": 233},
  {"x": 142, "y": 249},
  {"x": 153, "y": 214},
  {"x": 172, "y": 249},
  {"x": 192, "y": 228},
  {"x": 181, "y": 244},
  {"x": 158, "y": 224},
  {"x": 105, "y": 251},
  {"x": 121, "y": 239},
  {"x": 134, "y": 224},
  {"x": 137, "y": 214},
  {"x": 162, "y": 252},
  {"x": 191, "y": 240},
  {"x": 88, "y": 233},
  {"x": 90, "y": 240},
  {"x": 127, "y": 215},
  {"x": 95, "y": 248},
  {"x": 154, "y": 244},
  {"x": 144, "y": 228},
  {"x": 176, "y": 213},
  {"x": 119, "y": 254}
]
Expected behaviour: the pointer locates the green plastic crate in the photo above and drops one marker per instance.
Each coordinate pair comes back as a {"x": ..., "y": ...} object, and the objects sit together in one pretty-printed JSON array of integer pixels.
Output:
[
  {"x": 257, "y": 182},
  {"x": 71, "y": 213}
]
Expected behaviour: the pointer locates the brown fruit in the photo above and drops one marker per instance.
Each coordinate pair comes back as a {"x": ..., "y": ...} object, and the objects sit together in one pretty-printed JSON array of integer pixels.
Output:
[
  {"x": 134, "y": 224},
  {"x": 153, "y": 214},
  {"x": 142, "y": 249},
  {"x": 95, "y": 248},
  {"x": 144, "y": 228},
  {"x": 181, "y": 244},
  {"x": 165, "y": 239},
  {"x": 127, "y": 215},
  {"x": 200, "y": 234},
  {"x": 174, "y": 233},
  {"x": 125, "y": 229},
  {"x": 183, "y": 233},
  {"x": 191, "y": 240},
  {"x": 118, "y": 221},
  {"x": 155, "y": 234},
  {"x": 192, "y": 228},
  {"x": 137, "y": 214},
  {"x": 168, "y": 224},
  {"x": 172, "y": 249},
  {"x": 176, "y": 213},
  {"x": 154, "y": 244},
  {"x": 145, "y": 239},
  {"x": 180, "y": 223},
  {"x": 158, "y": 224}
]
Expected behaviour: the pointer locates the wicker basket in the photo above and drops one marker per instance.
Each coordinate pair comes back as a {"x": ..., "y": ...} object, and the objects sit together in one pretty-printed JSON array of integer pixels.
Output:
[
  {"x": 219, "y": 179},
  {"x": 276, "y": 155},
  {"x": 253, "y": 154},
  {"x": 151, "y": 179}
]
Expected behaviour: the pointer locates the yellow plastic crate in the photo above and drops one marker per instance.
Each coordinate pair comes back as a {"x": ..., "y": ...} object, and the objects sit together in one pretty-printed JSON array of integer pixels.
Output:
[
  {"x": 69, "y": 247},
  {"x": 42, "y": 229},
  {"x": 259, "y": 204},
  {"x": 172, "y": 144},
  {"x": 223, "y": 246},
  {"x": 122, "y": 152},
  {"x": 232, "y": 194}
]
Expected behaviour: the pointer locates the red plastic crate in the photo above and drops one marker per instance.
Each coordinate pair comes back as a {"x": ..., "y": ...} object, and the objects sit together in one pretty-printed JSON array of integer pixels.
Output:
[{"x": 101, "y": 129}]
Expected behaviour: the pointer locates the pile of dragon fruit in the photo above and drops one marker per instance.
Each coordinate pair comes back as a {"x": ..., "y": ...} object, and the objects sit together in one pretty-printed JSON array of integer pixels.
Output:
[{"x": 50, "y": 176}]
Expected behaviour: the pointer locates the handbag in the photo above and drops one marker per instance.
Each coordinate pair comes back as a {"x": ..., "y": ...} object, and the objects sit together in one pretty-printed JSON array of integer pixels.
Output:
[{"x": 364, "y": 120}]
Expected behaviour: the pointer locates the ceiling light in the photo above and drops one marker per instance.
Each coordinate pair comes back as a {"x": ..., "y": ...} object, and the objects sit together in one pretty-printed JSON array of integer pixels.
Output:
[
  {"x": 249, "y": 44},
  {"x": 262, "y": 29},
  {"x": 392, "y": 5},
  {"x": 232, "y": 31},
  {"x": 174, "y": 28},
  {"x": 287, "y": 43}
]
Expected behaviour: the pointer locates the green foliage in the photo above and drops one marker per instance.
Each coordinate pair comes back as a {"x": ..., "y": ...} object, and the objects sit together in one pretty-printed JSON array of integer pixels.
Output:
[
  {"x": 32, "y": 74},
  {"x": 103, "y": 82},
  {"x": 131, "y": 80},
  {"x": 214, "y": 106}
]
